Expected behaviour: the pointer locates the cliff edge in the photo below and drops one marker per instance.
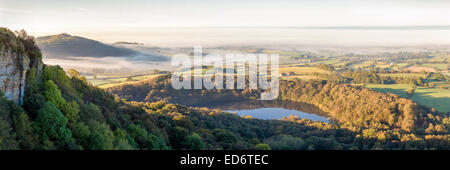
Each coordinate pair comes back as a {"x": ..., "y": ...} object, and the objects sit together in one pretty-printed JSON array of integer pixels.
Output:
[{"x": 18, "y": 54}]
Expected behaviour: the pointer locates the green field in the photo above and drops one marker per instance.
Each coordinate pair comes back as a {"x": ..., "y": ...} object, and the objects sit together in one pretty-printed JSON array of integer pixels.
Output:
[
  {"x": 363, "y": 64},
  {"x": 410, "y": 75},
  {"x": 100, "y": 81},
  {"x": 105, "y": 82},
  {"x": 330, "y": 61},
  {"x": 437, "y": 98},
  {"x": 303, "y": 70},
  {"x": 302, "y": 77},
  {"x": 437, "y": 66},
  {"x": 400, "y": 66}
]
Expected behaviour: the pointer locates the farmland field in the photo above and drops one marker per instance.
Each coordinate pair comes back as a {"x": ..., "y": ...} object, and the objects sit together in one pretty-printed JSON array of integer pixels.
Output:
[
  {"x": 437, "y": 66},
  {"x": 303, "y": 70},
  {"x": 105, "y": 82},
  {"x": 420, "y": 68},
  {"x": 437, "y": 98},
  {"x": 302, "y": 77},
  {"x": 402, "y": 75}
]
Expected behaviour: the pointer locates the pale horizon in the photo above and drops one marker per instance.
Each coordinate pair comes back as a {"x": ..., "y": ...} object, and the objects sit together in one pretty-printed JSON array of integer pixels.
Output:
[
  {"x": 243, "y": 22},
  {"x": 52, "y": 16}
]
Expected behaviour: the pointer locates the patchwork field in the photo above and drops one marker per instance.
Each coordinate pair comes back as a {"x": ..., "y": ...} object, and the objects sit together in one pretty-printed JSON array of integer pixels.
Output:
[
  {"x": 362, "y": 64},
  {"x": 302, "y": 70},
  {"x": 105, "y": 82},
  {"x": 302, "y": 77},
  {"x": 410, "y": 75},
  {"x": 419, "y": 69},
  {"x": 438, "y": 98},
  {"x": 437, "y": 66}
]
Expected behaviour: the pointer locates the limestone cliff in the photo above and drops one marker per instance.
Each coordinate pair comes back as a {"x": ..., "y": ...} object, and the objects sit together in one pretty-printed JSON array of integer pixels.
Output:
[{"x": 17, "y": 55}]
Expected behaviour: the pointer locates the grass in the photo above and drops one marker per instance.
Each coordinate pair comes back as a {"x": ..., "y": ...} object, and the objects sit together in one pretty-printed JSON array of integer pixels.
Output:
[
  {"x": 437, "y": 98},
  {"x": 341, "y": 63},
  {"x": 96, "y": 82},
  {"x": 302, "y": 77},
  {"x": 303, "y": 70},
  {"x": 442, "y": 84},
  {"x": 433, "y": 97},
  {"x": 105, "y": 82},
  {"x": 383, "y": 65},
  {"x": 363, "y": 64},
  {"x": 400, "y": 66},
  {"x": 420, "y": 68},
  {"x": 330, "y": 61},
  {"x": 437, "y": 66},
  {"x": 398, "y": 89},
  {"x": 410, "y": 75}
]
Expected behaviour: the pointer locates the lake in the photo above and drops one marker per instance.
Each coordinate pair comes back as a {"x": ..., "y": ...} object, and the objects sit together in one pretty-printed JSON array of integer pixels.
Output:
[{"x": 271, "y": 109}]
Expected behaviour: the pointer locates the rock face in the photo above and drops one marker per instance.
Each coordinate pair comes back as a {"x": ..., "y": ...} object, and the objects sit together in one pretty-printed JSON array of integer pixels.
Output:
[
  {"x": 18, "y": 53},
  {"x": 13, "y": 69}
]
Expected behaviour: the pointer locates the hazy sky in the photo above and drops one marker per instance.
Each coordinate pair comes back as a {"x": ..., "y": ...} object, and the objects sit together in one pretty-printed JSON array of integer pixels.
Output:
[{"x": 66, "y": 16}]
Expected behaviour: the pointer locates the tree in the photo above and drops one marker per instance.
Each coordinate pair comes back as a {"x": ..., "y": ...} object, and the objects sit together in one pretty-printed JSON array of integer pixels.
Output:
[
  {"x": 93, "y": 112},
  {"x": 262, "y": 146},
  {"x": 24, "y": 131},
  {"x": 33, "y": 99},
  {"x": 178, "y": 137},
  {"x": 285, "y": 142},
  {"x": 55, "y": 73},
  {"x": 81, "y": 133},
  {"x": 102, "y": 137},
  {"x": 7, "y": 140},
  {"x": 70, "y": 110},
  {"x": 51, "y": 124},
  {"x": 411, "y": 92},
  {"x": 97, "y": 141},
  {"x": 123, "y": 141},
  {"x": 194, "y": 142},
  {"x": 53, "y": 94},
  {"x": 145, "y": 140},
  {"x": 72, "y": 73}
]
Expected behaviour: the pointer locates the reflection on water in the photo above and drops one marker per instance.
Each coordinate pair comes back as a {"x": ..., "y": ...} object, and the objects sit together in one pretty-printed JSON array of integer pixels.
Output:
[{"x": 272, "y": 109}]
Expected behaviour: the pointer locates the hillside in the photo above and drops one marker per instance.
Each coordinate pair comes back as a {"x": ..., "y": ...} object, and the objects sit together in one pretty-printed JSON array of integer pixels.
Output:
[
  {"x": 62, "y": 111},
  {"x": 65, "y": 45},
  {"x": 18, "y": 55},
  {"x": 380, "y": 121}
]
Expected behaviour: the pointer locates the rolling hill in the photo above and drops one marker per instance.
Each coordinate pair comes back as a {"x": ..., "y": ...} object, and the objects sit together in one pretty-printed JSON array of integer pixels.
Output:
[{"x": 65, "y": 45}]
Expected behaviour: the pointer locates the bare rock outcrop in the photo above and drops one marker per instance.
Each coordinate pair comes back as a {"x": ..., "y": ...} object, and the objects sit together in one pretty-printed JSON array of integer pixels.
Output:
[
  {"x": 15, "y": 61},
  {"x": 13, "y": 68}
]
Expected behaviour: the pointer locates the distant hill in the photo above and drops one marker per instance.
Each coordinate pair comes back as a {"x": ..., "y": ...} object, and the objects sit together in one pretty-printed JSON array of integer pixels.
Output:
[
  {"x": 126, "y": 43},
  {"x": 65, "y": 45}
]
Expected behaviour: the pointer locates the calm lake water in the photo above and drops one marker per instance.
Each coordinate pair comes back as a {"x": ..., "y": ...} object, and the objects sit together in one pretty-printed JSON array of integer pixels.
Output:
[
  {"x": 272, "y": 109},
  {"x": 277, "y": 113}
]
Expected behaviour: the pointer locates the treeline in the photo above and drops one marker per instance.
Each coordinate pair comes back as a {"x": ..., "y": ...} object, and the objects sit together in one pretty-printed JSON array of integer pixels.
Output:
[
  {"x": 380, "y": 121},
  {"x": 64, "y": 112},
  {"x": 386, "y": 119},
  {"x": 160, "y": 88},
  {"x": 376, "y": 78},
  {"x": 380, "y": 76}
]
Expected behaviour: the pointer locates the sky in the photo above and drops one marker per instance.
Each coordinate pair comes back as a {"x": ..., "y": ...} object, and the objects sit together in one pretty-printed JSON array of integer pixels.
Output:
[{"x": 69, "y": 16}]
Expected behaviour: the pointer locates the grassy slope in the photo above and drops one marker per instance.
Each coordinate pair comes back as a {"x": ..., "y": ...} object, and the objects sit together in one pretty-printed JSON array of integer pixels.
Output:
[
  {"x": 65, "y": 45},
  {"x": 432, "y": 97},
  {"x": 115, "y": 81}
]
